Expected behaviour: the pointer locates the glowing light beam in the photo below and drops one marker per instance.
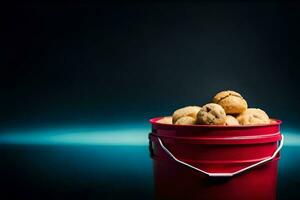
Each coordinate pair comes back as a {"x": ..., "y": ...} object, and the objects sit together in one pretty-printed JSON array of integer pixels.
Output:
[{"x": 112, "y": 136}]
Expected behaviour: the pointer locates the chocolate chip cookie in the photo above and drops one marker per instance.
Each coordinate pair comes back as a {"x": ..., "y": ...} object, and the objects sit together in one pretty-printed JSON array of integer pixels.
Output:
[
  {"x": 187, "y": 120},
  {"x": 165, "y": 120},
  {"x": 253, "y": 116},
  {"x": 232, "y": 102},
  {"x": 231, "y": 121},
  {"x": 211, "y": 114},
  {"x": 190, "y": 111}
]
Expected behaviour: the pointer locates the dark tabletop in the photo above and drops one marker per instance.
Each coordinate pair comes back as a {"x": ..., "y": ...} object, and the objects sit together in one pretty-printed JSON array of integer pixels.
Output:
[{"x": 100, "y": 168}]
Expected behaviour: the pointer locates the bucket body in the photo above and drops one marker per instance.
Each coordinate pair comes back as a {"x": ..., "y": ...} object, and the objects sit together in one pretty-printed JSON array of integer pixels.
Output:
[{"x": 214, "y": 150}]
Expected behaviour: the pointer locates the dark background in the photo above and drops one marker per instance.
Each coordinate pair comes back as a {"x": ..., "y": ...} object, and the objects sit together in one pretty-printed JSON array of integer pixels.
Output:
[
  {"x": 73, "y": 64},
  {"x": 101, "y": 63}
]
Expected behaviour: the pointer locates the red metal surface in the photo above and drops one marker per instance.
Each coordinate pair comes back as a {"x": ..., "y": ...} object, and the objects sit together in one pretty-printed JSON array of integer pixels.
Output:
[{"x": 218, "y": 149}]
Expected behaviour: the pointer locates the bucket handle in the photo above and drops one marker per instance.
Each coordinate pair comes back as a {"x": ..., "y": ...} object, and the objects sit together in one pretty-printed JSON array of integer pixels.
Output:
[{"x": 223, "y": 174}]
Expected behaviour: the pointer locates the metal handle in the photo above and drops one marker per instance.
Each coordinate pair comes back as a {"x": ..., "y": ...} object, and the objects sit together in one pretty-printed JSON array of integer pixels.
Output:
[{"x": 222, "y": 174}]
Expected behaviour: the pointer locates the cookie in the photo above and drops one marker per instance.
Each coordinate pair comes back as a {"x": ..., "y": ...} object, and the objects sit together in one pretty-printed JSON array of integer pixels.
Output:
[
  {"x": 190, "y": 111},
  {"x": 165, "y": 120},
  {"x": 211, "y": 114},
  {"x": 186, "y": 120},
  {"x": 231, "y": 121},
  {"x": 253, "y": 116},
  {"x": 232, "y": 102}
]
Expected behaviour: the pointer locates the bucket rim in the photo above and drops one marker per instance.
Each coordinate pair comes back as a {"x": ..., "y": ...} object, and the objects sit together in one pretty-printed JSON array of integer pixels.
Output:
[
  {"x": 154, "y": 120},
  {"x": 231, "y": 140}
]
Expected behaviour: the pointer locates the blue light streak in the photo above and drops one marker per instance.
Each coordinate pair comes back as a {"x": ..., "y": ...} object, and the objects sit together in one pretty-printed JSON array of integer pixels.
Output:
[
  {"x": 136, "y": 136},
  {"x": 123, "y": 136}
]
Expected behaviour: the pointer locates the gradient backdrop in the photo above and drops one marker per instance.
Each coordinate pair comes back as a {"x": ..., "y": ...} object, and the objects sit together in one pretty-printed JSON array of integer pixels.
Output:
[{"x": 79, "y": 82}]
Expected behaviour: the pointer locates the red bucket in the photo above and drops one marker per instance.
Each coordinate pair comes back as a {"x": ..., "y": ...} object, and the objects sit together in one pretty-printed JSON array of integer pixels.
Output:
[{"x": 215, "y": 162}]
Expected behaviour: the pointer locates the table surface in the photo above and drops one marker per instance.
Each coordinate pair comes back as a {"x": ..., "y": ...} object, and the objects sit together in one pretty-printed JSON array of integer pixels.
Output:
[{"x": 99, "y": 168}]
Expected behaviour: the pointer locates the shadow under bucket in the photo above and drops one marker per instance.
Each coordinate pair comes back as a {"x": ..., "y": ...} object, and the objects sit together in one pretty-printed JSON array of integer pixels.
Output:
[{"x": 215, "y": 162}]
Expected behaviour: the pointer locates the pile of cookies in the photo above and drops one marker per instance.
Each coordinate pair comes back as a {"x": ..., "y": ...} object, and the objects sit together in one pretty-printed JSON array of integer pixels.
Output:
[{"x": 227, "y": 108}]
